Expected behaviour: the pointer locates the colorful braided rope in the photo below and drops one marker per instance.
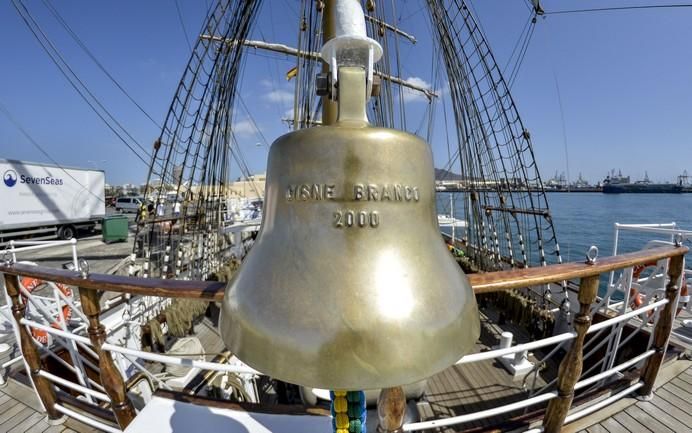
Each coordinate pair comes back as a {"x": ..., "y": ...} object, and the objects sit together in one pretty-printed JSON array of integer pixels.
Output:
[{"x": 348, "y": 411}]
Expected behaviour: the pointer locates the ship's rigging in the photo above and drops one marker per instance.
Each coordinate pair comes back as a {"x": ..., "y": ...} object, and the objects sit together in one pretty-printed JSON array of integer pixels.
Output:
[{"x": 505, "y": 207}]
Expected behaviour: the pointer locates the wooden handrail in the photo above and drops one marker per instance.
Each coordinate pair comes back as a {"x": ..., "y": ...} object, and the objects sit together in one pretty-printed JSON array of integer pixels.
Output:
[
  {"x": 391, "y": 410},
  {"x": 526, "y": 277},
  {"x": 214, "y": 290},
  {"x": 205, "y": 290}
]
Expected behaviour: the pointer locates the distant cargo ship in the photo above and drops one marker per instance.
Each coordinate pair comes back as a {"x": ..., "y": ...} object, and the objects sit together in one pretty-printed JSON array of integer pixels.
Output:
[{"x": 618, "y": 184}]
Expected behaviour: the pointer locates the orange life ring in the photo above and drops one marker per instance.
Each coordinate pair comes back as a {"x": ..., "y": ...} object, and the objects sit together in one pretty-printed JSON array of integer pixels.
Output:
[
  {"x": 30, "y": 284},
  {"x": 637, "y": 300},
  {"x": 638, "y": 269}
]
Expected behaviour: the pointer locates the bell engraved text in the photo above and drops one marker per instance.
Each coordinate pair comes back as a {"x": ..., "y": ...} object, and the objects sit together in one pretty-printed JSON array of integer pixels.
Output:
[
  {"x": 310, "y": 192},
  {"x": 361, "y": 192},
  {"x": 349, "y": 218},
  {"x": 386, "y": 192}
]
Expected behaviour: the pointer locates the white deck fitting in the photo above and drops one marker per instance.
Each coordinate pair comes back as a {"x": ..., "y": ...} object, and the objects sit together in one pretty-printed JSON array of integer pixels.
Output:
[
  {"x": 162, "y": 415},
  {"x": 244, "y": 226}
]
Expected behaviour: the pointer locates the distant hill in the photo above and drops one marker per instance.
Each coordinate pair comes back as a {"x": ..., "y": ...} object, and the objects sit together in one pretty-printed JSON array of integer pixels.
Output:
[{"x": 441, "y": 174}]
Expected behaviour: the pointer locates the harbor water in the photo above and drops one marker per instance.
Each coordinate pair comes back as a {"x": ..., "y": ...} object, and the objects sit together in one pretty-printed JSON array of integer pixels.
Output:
[{"x": 585, "y": 219}]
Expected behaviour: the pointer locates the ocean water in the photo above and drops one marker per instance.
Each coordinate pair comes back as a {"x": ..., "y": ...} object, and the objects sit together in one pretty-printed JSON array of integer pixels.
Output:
[{"x": 585, "y": 219}]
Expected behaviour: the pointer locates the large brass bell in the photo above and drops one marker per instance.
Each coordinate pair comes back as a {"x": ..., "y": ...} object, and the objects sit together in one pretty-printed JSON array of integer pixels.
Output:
[{"x": 349, "y": 284}]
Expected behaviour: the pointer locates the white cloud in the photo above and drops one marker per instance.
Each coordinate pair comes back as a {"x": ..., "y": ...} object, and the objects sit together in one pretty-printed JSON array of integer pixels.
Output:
[
  {"x": 244, "y": 127},
  {"x": 411, "y": 95},
  {"x": 282, "y": 96},
  {"x": 444, "y": 90}
]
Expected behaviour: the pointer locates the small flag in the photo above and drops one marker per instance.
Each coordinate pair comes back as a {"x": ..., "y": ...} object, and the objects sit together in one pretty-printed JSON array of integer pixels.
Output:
[{"x": 291, "y": 73}]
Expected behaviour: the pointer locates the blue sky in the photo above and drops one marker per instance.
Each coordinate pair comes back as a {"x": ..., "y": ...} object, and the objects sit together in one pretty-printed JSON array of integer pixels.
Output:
[{"x": 625, "y": 80}]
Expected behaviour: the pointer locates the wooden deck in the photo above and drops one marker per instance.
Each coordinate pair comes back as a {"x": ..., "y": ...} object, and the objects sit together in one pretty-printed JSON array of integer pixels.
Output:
[
  {"x": 467, "y": 388},
  {"x": 7, "y": 337},
  {"x": 679, "y": 330},
  {"x": 21, "y": 412},
  {"x": 670, "y": 411}
]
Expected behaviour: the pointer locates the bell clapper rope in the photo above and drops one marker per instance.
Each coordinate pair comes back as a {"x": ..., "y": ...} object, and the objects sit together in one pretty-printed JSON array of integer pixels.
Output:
[{"x": 349, "y": 413}]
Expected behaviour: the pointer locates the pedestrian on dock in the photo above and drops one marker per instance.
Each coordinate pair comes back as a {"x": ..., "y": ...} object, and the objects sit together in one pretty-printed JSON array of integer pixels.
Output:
[
  {"x": 142, "y": 214},
  {"x": 160, "y": 209}
]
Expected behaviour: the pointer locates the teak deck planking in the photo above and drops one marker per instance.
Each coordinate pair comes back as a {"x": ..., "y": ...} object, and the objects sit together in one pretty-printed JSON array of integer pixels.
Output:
[
  {"x": 20, "y": 412},
  {"x": 670, "y": 411},
  {"x": 476, "y": 386}
]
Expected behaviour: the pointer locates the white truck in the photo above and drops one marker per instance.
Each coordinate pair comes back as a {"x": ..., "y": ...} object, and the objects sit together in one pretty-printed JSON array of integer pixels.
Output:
[{"x": 43, "y": 201}]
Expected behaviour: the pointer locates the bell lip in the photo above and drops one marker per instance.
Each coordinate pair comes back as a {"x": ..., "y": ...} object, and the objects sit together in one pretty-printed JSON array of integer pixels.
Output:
[
  {"x": 284, "y": 373},
  {"x": 370, "y": 385}
]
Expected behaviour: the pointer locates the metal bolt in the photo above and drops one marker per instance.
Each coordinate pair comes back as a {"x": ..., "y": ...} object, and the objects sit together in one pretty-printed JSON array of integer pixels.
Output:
[
  {"x": 677, "y": 239},
  {"x": 84, "y": 268},
  {"x": 7, "y": 258},
  {"x": 323, "y": 84}
]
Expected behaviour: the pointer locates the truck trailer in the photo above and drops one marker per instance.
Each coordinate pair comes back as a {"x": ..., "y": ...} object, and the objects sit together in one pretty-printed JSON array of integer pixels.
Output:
[{"x": 44, "y": 201}]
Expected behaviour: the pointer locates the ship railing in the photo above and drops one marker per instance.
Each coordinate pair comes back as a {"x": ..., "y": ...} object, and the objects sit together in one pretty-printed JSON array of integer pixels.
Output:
[
  {"x": 16, "y": 248},
  {"x": 659, "y": 311},
  {"x": 196, "y": 257},
  {"x": 670, "y": 232},
  {"x": 570, "y": 381},
  {"x": 49, "y": 310},
  {"x": 624, "y": 286}
]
